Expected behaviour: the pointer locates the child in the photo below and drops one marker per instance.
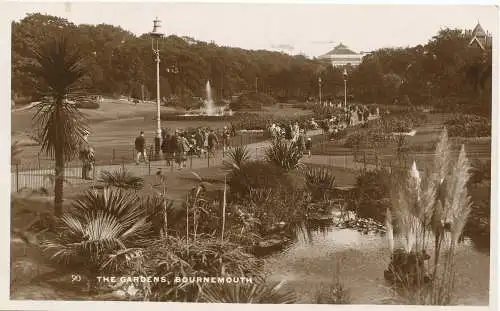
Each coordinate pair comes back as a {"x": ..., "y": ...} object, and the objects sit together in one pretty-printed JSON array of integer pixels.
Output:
[{"x": 309, "y": 146}]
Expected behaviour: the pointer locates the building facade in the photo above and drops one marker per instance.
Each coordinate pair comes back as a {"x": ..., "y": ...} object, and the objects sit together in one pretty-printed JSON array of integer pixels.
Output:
[
  {"x": 479, "y": 38},
  {"x": 341, "y": 56}
]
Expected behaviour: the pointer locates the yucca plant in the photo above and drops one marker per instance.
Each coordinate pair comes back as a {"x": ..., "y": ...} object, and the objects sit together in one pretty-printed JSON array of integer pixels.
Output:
[
  {"x": 432, "y": 208},
  {"x": 319, "y": 181},
  {"x": 122, "y": 179},
  {"x": 247, "y": 293},
  {"x": 57, "y": 70},
  {"x": 238, "y": 155},
  {"x": 284, "y": 154},
  {"x": 100, "y": 231}
]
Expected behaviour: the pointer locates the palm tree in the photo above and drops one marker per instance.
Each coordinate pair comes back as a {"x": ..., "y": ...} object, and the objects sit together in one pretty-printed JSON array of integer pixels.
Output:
[
  {"x": 57, "y": 70},
  {"x": 100, "y": 230}
]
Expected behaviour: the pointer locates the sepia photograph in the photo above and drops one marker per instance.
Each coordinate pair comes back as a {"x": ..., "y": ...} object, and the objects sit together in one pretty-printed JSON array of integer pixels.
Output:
[{"x": 263, "y": 153}]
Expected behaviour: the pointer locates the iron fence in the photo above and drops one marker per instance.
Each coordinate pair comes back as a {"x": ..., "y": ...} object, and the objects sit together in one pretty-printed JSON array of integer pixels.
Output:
[{"x": 41, "y": 173}]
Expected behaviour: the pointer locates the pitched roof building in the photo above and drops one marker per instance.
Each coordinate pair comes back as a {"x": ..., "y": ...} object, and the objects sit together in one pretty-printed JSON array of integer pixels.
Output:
[
  {"x": 479, "y": 38},
  {"x": 341, "y": 55}
]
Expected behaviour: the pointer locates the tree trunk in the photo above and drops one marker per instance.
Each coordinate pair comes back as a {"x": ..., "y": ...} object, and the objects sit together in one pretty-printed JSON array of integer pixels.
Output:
[
  {"x": 58, "y": 186},
  {"x": 59, "y": 167}
]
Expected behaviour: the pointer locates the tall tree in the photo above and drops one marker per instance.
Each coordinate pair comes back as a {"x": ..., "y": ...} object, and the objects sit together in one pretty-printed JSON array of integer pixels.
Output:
[{"x": 62, "y": 126}]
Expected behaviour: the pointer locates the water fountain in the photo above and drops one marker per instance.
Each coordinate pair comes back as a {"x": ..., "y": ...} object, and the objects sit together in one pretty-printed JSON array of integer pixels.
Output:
[{"x": 209, "y": 108}]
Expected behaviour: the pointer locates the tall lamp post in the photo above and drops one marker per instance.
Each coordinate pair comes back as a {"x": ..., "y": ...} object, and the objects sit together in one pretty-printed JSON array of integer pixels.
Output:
[
  {"x": 345, "y": 88},
  {"x": 319, "y": 85},
  {"x": 156, "y": 35}
]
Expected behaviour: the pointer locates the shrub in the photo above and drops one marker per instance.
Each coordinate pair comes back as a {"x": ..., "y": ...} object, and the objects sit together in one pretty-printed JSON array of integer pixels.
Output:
[
  {"x": 252, "y": 100},
  {"x": 466, "y": 125},
  {"x": 122, "y": 179},
  {"x": 87, "y": 105},
  {"x": 239, "y": 155},
  {"x": 280, "y": 205},
  {"x": 478, "y": 224},
  {"x": 373, "y": 193},
  {"x": 159, "y": 212},
  {"x": 173, "y": 257},
  {"x": 480, "y": 170},
  {"x": 319, "y": 181},
  {"x": 172, "y": 116},
  {"x": 354, "y": 140},
  {"x": 284, "y": 154},
  {"x": 256, "y": 175}
]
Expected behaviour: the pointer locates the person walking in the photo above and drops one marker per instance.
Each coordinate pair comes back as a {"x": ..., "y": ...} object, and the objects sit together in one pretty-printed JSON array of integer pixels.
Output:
[
  {"x": 212, "y": 142},
  {"x": 140, "y": 147},
  {"x": 225, "y": 139},
  {"x": 165, "y": 148},
  {"x": 87, "y": 157},
  {"x": 301, "y": 141},
  {"x": 309, "y": 146},
  {"x": 181, "y": 150}
]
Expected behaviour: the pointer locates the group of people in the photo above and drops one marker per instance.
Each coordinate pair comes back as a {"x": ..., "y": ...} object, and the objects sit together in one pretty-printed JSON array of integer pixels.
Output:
[
  {"x": 178, "y": 146},
  {"x": 294, "y": 134}
]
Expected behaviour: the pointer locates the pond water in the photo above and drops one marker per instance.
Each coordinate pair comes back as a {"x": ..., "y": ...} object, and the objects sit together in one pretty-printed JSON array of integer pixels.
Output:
[{"x": 310, "y": 264}]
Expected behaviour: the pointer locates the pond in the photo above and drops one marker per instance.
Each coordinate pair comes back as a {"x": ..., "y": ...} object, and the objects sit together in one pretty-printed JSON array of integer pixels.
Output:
[{"x": 310, "y": 264}]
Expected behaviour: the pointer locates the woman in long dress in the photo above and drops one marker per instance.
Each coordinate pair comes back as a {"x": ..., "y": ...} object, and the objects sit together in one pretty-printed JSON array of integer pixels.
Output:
[{"x": 87, "y": 156}]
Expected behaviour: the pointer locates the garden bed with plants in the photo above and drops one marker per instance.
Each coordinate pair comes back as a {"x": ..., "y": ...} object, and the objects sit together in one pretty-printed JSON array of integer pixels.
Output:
[{"x": 466, "y": 125}]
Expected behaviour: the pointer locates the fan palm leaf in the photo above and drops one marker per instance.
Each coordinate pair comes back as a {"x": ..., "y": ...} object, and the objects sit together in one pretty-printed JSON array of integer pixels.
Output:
[
  {"x": 122, "y": 179},
  {"x": 247, "y": 293},
  {"x": 98, "y": 226}
]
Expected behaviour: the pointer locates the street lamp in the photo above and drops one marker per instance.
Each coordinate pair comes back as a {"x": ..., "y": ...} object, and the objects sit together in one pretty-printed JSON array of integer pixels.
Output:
[
  {"x": 156, "y": 35},
  {"x": 319, "y": 84},
  {"x": 345, "y": 87}
]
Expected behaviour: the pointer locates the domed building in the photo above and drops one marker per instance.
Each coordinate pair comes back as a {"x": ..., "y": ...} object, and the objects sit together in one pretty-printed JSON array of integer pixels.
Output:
[{"x": 341, "y": 56}]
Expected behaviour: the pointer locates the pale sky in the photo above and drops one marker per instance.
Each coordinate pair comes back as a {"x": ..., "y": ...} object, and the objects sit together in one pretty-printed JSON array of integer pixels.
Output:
[{"x": 312, "y": 29}]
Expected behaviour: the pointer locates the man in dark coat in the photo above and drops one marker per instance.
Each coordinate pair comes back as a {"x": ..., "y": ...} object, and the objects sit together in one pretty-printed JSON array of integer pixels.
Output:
[
  {"x": 140, "y": 147},
  {"x": 212, "y": 142}
]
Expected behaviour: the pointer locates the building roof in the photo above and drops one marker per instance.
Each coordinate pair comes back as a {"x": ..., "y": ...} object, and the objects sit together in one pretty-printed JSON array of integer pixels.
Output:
[
  {"x": 478, "y": 31},
  {"x": 477, "y": 41},
  {"x": 341, "y": 50}
]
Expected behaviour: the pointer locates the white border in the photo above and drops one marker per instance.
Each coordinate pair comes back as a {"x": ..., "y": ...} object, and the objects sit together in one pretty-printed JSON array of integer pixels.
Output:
[{"x": 6, "y": 304}]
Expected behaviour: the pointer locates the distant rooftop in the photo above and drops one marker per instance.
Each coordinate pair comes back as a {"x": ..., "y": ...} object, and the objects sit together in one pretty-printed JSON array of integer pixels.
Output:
[
  {"x": 478, "y": 31},
  {"x": 341, "y": 49}
]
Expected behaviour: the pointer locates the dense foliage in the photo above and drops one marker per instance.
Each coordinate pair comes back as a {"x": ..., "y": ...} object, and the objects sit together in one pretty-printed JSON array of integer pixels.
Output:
[
  {"x": 465, "y": 125},
  {"x": 257, "y": 175},
  {"x": 372, "y": 197},
  {"x": 445, "y": 73},
  {"x": 252, "y": 100}
]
